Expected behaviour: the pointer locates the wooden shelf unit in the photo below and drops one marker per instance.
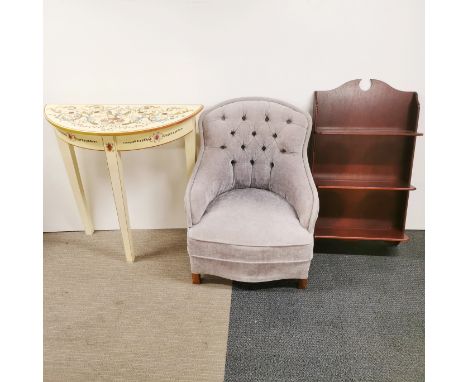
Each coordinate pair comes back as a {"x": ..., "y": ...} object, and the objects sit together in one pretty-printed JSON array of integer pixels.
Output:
[{"x": 361, "y": 156}]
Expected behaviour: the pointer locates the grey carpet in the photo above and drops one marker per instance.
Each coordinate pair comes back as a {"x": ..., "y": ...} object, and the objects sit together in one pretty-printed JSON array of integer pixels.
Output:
[{"x": 361, "y": 319}]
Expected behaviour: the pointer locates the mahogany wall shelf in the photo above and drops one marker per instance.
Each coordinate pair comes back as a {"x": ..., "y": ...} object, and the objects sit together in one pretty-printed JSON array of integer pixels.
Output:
[{"x": 361, "y": 157}]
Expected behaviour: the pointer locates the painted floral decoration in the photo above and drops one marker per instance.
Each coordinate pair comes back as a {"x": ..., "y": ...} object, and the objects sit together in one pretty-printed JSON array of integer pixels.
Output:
[{"x": 117, "y": 118}]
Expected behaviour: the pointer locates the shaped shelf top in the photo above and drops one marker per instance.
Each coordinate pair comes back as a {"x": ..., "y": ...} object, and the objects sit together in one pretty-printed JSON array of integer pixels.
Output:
[
  {"x": 96, "y": 119},
  {"x": 378, "y": 110}
]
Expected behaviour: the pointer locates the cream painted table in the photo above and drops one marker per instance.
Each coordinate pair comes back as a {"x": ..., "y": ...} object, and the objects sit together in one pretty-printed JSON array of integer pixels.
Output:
[{"x": 116, "y": 128}]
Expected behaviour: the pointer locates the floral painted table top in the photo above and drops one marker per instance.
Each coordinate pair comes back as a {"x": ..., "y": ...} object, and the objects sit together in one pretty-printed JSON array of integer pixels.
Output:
[{"x": 117, "y": 119}]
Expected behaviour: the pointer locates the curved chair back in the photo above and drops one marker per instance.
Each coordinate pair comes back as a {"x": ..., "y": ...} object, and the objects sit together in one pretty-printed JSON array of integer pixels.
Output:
[{"x": 254, "y": 142}]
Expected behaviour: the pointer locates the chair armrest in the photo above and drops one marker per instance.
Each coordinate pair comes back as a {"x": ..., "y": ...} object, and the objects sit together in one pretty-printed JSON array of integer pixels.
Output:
[
  {"x": 293, "y": 181},
  {"x": 210, "y": 178}
]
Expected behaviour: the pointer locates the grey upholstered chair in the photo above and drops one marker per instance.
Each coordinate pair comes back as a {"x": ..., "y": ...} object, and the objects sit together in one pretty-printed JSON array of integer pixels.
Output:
[{"x": 251, "y": 202}]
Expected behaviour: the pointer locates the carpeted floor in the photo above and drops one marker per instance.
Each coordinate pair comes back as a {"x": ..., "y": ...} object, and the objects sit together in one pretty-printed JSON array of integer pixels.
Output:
[
  {"x": 361, "y": 319},
  {"x": 107, "y": 320}
]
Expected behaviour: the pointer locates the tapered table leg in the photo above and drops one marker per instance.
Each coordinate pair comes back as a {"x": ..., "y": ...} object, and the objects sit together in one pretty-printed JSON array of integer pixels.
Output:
[
  {"x": 73, "y": 172},
  {"x": 114, "y": 163},
  {"x": 190, "y": 149}
]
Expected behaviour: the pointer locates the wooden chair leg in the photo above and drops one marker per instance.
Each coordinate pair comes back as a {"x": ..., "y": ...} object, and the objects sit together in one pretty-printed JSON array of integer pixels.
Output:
[
  {"x": 302, "y": 283},
  {"x": 196, "y": 279}
]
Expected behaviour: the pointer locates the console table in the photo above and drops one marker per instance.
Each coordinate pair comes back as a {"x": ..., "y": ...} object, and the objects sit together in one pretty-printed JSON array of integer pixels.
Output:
[{"x": 116, "y": 128}]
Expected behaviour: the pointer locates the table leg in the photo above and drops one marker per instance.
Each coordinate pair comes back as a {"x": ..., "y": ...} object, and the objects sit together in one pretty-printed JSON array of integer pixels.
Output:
[
  {"x": 73, "y": 172},
  {"x": 114, "y": 163},
  {"x": 190, "y": 149}
]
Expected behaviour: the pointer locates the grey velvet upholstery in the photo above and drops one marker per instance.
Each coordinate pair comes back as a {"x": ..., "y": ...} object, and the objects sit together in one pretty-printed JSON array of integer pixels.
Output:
[{"x": 251, "y": 202}]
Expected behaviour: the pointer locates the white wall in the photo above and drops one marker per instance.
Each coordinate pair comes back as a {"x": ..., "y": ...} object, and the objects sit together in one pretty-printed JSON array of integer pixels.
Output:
[{"x": 206, "y": 51}]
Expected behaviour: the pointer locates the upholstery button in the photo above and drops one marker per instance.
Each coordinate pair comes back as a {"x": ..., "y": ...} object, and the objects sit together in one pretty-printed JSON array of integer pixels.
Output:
[
  {"x": 223, "y": 117},
  {"x": 243, "y": 147},
  {"x": 272, "y": 165},
  {"x": 244, "y": 117},
  {"x": 223, "y": 147},
  {"x": 263, "y": 148},
  {"x": 254, "y": 133},
  {"x": 283, "y": 150},
  {"x": 288, "y": 121},
  {"x": 252, "y": 162},
  {"x": 233, "y": 162},
  {"x": 267, "y": 118},
  {"x": 275, "y": 135},
  {"x": 232, "y": 132}
]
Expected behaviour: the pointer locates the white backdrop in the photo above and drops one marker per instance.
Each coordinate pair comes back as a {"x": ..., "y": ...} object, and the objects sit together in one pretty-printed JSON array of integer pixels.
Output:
[{"x": 206, "y": 51}]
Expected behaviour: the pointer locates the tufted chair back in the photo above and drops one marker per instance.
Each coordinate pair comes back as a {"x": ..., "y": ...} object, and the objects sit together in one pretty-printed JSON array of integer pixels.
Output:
[{"x": 253, "y": 142}]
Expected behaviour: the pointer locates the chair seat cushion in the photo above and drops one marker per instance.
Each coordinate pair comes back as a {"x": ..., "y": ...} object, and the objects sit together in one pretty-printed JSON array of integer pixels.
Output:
[
  {"x": 250, "y": 235},
  {"x": 251, "y": 217}
]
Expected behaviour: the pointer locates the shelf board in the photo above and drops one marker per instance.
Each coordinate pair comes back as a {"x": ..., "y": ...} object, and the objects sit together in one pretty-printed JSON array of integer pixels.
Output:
[
  {"x": 353, "y": 184},
  {"x": 384, "y": 131},
  {"x": 392, "y": 234}
]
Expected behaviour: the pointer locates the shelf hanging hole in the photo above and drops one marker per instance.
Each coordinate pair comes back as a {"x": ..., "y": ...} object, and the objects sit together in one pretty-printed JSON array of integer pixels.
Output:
[{"x": 365, "y": 84}]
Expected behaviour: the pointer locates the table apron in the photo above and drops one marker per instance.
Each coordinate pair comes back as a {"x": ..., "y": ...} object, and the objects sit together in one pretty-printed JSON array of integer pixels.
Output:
[
  {"x": 85, "y": 141},
  {"x": 129, "y": 142}
]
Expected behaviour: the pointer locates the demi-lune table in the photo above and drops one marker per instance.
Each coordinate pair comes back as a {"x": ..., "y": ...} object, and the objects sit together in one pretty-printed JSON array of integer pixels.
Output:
[{"x": 116, "y": 128}]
